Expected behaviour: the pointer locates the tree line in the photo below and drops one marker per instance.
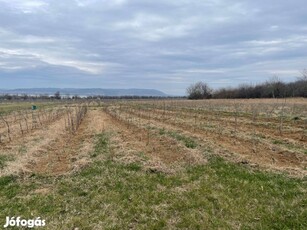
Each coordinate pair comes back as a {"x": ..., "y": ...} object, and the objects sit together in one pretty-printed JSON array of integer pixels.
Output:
[
  {"x": 273, "y": 88},
  {"x": 57, "y": 97}
]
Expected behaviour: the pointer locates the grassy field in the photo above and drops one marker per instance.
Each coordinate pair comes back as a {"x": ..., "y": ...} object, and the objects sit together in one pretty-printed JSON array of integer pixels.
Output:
[
  {"x": 161, "y": 165},
  {"x": 9, "y": 107}
]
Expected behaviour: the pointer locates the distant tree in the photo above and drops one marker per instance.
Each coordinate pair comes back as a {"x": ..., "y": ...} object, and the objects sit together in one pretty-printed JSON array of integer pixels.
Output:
[
  {"x": 304, "y": 75},
  {"x": 8, "y": 97},
  {"x": 57, "y": 95},
  {"x": 199, "y": 90},
  {"x": 243, "y": 91},
  {"x": 275, "y": 87},
  {"x": 301, "y": 84},
  {"x": 24, "y": 96},
  {"x": 76, "y": 96}
]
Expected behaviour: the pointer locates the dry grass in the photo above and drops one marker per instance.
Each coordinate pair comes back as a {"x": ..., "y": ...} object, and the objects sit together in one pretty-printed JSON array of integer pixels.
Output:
[
  {"x": 255, "y": 137},
  {"x": 158, "y": 165},
  {"x": 108, "y": 194}
]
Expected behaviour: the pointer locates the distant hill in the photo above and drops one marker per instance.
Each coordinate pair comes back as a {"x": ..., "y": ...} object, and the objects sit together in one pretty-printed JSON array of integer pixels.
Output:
[{"x": 86, "y": 92}]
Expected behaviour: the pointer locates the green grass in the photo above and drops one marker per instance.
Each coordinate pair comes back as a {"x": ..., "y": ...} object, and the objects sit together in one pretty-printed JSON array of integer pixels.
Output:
[
  {"x": 187, "y": 141},
  {"x": 22, "y": 149},
  {"x": 4, "y": 159},
  {"x": 111, "y": 195},
  {"x": 101, "y": 145},
  {"x": 277, "y": 142},
  {"x": 288, "y": 145},
  {"x": 9, "y": 107}
]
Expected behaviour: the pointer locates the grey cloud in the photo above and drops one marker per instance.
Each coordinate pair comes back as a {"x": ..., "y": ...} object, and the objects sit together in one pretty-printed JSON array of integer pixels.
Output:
[{"x": 150, "y": 44}]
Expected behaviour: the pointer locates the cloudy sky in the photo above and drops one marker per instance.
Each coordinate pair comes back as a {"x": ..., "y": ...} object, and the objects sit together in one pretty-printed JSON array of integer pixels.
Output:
[{"x": 161, "y": 44}]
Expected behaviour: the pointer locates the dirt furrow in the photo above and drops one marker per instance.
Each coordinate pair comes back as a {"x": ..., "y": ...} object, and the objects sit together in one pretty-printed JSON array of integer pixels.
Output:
[
  {"x": 246, "y": 133},
  {"x": 140, "y": 142},
  {"x": 254, "y": 152},
  {"x": 67, "y": 151},
  {"x": 272, "y": 129}
]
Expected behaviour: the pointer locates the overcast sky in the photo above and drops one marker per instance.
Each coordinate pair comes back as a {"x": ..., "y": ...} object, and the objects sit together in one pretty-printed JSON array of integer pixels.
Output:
[{"x": 160, "y": 44}]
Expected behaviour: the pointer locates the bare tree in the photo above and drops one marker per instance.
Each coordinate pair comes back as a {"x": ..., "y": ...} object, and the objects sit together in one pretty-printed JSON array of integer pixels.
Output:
[
  {"x": 304, "y": 75},
  {"x": 276, "y": 86},
  {"x": 301, "y": 84},
  {"x": 199, "y": 90}
]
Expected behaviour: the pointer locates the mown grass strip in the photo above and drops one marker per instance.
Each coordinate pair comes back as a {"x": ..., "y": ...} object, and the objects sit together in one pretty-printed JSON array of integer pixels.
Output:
[{"x": 101, "y": 145}]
